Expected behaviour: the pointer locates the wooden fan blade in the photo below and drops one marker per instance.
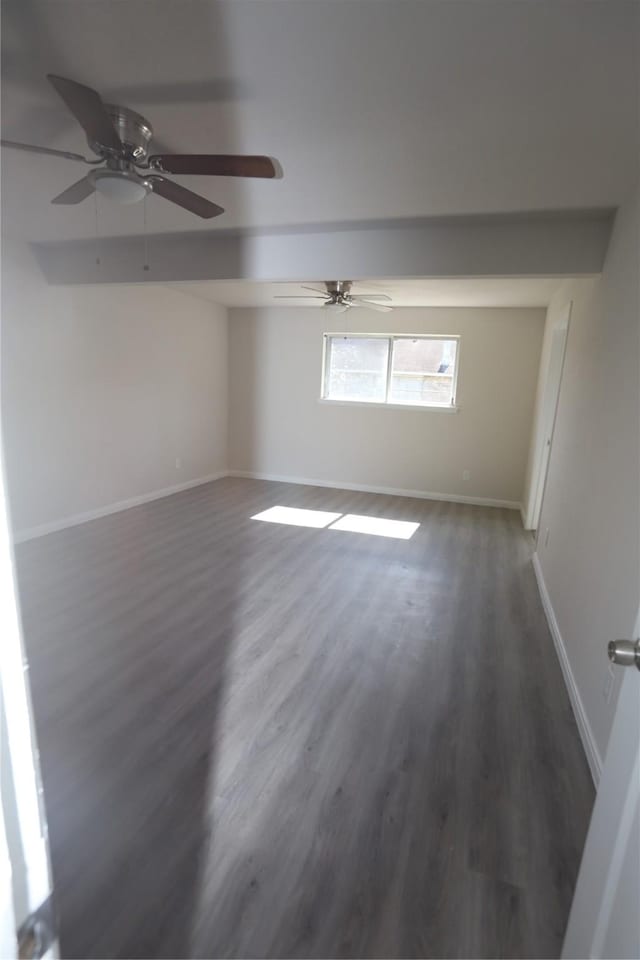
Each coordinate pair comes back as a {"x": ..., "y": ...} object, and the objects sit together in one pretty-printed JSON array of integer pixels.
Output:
[
  {"x": 87, "y": 107},
  {"x": 214, "y": 165},
  {"x": 324, "y": 293},
  {"x": 76, "y": 193},
  {"x": 31, "y": 148},
  {"x": 184, "y": 198},
  {"x": 302, "y": 296}
]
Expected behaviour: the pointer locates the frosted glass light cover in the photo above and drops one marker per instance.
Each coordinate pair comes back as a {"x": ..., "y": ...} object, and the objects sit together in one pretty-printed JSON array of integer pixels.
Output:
[{"x": 119, "y": 188}]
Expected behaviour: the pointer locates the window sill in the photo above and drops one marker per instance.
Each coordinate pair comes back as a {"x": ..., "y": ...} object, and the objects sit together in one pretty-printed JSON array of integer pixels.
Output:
[{"x": 431, "y": 408}]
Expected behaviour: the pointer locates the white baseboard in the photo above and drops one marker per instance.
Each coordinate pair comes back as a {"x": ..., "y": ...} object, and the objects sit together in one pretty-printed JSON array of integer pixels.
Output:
[
  {"x": 586, "y": 734},
  {"x": 393, "y": 491},
  {"x": 30, "y": 533}
]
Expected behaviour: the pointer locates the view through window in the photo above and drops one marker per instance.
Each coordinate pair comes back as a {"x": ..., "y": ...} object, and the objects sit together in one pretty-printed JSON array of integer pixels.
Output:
[{"x": 416, "y": 371}]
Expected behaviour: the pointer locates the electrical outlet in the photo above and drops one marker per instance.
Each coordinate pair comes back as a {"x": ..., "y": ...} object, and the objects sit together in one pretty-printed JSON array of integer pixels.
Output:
[
  {"x": 607, "y": 687},
  {"x": 465, "y": 474},
  {"x": 178, "y": 463},
  {"x": 546, "y": 537}
]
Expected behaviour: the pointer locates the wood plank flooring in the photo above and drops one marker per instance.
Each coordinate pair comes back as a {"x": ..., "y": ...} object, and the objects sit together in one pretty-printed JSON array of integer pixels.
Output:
[{"x": 261, "y": 740}]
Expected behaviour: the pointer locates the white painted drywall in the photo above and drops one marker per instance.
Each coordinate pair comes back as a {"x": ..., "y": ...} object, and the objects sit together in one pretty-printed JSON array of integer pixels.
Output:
[
  {"x": 278, "y": 427},
  {"x": 103, "y": 388},
  {"x": 591, "y": 508},
  {"x": 557, "y": 245}
]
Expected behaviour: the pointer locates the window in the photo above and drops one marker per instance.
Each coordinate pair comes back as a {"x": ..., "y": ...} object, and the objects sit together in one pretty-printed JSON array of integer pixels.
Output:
[{"x": 406, "y": 370}]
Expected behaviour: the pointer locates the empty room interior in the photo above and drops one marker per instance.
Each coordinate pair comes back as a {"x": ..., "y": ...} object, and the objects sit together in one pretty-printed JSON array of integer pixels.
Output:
[{"x": 321, "y": 472}]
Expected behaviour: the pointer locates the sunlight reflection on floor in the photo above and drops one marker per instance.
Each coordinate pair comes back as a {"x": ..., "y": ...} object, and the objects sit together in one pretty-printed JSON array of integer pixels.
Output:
[
  {"x": 297, "y": 517},
  {"x": 350, "y": 522},
  {"x": 377, "y": 526}
]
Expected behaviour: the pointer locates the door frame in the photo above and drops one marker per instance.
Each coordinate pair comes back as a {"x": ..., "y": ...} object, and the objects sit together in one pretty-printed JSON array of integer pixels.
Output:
[
  {"x": 550, "y": 402},
  {"x": 25, "y": 864}
]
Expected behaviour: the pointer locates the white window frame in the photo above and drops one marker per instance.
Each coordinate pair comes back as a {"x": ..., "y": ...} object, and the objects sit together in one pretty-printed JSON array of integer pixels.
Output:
[{"x": 391, "y": 338}]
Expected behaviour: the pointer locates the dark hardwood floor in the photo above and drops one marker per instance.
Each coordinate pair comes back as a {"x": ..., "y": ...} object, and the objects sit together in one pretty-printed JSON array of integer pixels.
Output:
[{"x": 261, "y": 740}]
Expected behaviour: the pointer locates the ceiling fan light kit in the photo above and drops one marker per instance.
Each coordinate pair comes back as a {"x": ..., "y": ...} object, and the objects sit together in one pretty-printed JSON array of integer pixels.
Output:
[
  {"x": 336, "y": 307},
  {"x": 119, "y": 185},
  {"x": 121, "y": 138}
]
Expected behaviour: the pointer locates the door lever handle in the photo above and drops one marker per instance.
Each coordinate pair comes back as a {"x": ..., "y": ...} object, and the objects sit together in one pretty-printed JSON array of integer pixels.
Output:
[{"x": 625, "y": 653}]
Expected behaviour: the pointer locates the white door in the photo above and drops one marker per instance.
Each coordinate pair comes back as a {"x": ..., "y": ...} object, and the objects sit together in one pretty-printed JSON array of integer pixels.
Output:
[
  {"x": 8, "y": 944},
  {"x": 25, "y": 878},
  {"x": 549, "y": 410},
  {"x": 605, "y": 914}
]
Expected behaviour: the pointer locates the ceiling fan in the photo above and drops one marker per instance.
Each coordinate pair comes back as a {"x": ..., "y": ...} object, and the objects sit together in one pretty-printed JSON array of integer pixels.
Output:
[
  {"x": 337, "y": 296},
  {"x": 120, "y": 137}
]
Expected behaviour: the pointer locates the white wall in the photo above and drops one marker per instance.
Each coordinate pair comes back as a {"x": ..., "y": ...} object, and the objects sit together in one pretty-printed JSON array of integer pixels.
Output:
[
  {"x": 278, "y": 427},
  {"x": 591, "y": 510},
  {"x": 103, "y": 388}
]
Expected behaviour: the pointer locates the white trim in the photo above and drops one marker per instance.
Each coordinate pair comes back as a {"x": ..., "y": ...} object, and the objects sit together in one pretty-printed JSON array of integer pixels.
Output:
[
  {"x": 437, "y": 407},
  {"x": 586, "y": 734},
  {"x": 30, "y": 533},
  {"x": 355, "y": 335},
  {"x": 540, "y": 450},
  {"x": 365, "y": 488}
]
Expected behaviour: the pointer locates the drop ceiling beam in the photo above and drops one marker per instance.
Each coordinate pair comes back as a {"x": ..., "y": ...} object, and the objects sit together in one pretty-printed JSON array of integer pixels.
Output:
[{"x": 546, "y": 245}]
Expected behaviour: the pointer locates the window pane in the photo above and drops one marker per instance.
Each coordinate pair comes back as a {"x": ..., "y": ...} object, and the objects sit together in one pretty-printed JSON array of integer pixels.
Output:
[
  {"x": 357, "y": 368},
  {"x": 423, "y": 371}
]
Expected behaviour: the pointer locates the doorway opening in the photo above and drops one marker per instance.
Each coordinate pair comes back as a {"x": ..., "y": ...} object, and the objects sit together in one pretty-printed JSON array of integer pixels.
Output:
[{"x": 552, "y": 386}]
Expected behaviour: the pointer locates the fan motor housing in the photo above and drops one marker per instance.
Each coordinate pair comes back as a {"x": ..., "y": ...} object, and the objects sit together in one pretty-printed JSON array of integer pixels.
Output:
[
  {"x": 134, "y": 130},
  {"x": 338, "y": 287}
]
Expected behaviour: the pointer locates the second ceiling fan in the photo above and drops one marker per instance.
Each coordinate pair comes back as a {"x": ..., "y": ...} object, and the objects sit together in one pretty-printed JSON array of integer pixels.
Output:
[
  {"x": 124, "y": 170},
  {"x": 338, "y": 296}
]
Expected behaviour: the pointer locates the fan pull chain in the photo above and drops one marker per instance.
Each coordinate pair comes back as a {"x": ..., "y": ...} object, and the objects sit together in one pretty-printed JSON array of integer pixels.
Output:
[
  {"x": 95, "y": 205},
  {"x": 145, "y": 238}
]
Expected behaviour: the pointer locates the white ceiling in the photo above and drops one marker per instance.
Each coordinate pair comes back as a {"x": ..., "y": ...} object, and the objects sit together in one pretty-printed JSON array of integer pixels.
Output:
[
  {"x": 467, "y": 292},
  {"x": 376, "y": 110}
]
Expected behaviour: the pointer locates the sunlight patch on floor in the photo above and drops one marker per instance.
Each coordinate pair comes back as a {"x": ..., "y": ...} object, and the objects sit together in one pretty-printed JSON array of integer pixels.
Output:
[
  {"x": 296, "y": 517},
  {"x": 350, "y": 522},
  {"x": 376, "y": 526}
]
